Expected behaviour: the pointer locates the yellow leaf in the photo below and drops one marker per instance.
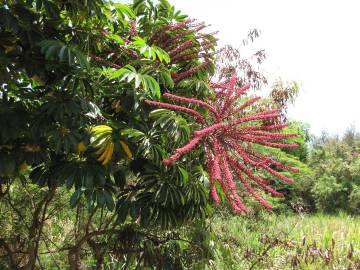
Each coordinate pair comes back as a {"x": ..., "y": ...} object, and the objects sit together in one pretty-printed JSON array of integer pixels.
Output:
[
  {"x": 23, "y": 166},
  {"x": 109, "y": 154},
  {"x": 81, "y": 147},
  {"x": 126, "y": 149}
]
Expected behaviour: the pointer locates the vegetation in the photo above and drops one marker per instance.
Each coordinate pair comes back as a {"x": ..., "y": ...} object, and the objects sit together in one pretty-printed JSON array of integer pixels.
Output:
[
  {"x": 81, "y": 149},
  {"x": 287, "y": 242},
  {"x": 329, "y": 181},
  {"x": 336, "y": 167},
  {"x": 93, "y": 175}
]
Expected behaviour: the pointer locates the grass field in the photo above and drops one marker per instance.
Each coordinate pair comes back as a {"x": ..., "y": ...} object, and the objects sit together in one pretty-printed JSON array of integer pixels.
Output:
[{"x": 287, "y": 242}]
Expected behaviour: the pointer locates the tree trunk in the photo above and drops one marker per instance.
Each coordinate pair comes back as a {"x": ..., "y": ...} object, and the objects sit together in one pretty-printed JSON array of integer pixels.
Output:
[
  {"x": 35, "y": 229},
  {"x": 74, "y": 259},
  {"x": 98, "y": 252}
]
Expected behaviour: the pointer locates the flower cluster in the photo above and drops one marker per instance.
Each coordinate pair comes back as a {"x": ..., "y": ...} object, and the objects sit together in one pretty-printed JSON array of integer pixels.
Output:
[
  {"x": 184, "y": 43},
  {"x": 189, "y": 72},
  {"x": 229, "y": 136},
  {"x": 133, "y": 31}
]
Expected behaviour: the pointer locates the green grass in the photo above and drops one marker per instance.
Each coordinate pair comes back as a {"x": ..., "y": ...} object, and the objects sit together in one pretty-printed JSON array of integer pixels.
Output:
[{"x": 287, "y": 242}]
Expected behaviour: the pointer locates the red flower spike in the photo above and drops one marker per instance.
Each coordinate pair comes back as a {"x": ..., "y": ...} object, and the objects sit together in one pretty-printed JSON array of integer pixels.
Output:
[
  {"x": 210, "y": 129},
  {"x": 211, "y": 170},
  {"x": 208, "y": 34},
  {"x": 133, "y": 31},
  {"x": 192, "y": 101},
  {"x": 180, "y": 151},
  {"x": 241, "y": 91},
  {"x": 207, "y": 46},
  {"x": 228, "y": 136},
  {"x": 228, "y": 93},
  {"x": 277, "y": 174},
  {"x": 175, "y": 39},
  {"x": 214, "y": 194},
  {"x": 193, "y": 54},
  {"x": 239, "y": 167},
  {"x": 250, "y": 156},
  {"x": 276, "y": 126},
  {"x": 240, "y": 207},
  {"x": 187, "y": 73},
  {"x": 217, "y": 170},
  {"x": 277, "y": 163},
  {"x": 245, "y": 105},
  {"x": 199, "y": 117},
  {"x": 256, "y": 196},
  {"x": 181, "y": 47},
  {"x": 275, "y": 136},
  {"x": 250, "y": 189},
  {"x": 229, "y": 181}
]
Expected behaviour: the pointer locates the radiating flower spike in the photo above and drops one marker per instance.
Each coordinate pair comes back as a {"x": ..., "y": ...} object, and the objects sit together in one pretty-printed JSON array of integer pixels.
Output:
[{"x": 228, "y": 135}]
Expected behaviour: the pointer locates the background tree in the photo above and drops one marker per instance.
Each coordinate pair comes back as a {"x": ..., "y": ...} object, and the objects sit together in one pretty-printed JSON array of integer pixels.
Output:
[{"x": 335, "y": 162}]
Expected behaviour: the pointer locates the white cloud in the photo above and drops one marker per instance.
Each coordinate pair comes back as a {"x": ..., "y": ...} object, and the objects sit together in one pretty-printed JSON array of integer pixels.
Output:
[{"x": 315, "y": 43}]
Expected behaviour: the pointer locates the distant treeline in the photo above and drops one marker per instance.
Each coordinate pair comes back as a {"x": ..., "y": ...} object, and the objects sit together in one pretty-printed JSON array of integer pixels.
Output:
[{"x": 329, "y": 180}]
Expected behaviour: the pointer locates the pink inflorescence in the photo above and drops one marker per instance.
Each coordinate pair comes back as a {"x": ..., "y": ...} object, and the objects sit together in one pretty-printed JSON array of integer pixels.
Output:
[
  {"x": 185, "y": 42},
  {"x": 187, "y": 73},
  {"x": 133, "y": 31},
  {"x": 228, "y": 140}
]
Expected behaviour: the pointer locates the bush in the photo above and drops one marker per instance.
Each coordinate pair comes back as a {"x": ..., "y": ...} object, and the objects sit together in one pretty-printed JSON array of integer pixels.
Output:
[
  {"x": 354, "y": 199},
  {"x": 329, "y": 195}
]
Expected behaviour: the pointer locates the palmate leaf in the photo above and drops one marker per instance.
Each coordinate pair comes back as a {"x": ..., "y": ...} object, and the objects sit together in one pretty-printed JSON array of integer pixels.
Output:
[
  {"x": 165, "y": 197},
  {"x": 57, "y": 50},
  {"x": 8, "y": 20},
  {"x": 195, "y": 84},
  {"x": 129, "y": 74},
  {"x": 123, "y": 10},
  {"x": 172, "y": 123},
  {"x": 132, "y": 133},
  {"x": 117, "y": 38},
  {"x": 166, "y": 5},
  {"x": 150, "y": 52},
  {"x": 63, "y": 142},
  {"x": 161, "y": 196},
  {"x": 148, "y": 145},
  {"x": 63, "y": 107},
  {"x": 89, "y": 180},
  {"x": 164, "y": 78}
]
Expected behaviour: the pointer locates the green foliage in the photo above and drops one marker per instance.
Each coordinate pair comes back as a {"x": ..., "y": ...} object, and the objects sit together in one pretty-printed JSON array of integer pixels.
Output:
[
  {"x": 66, "y": 69},
  {"x": 330, "y": 194},
  {"x": 150, "y": 52},
  {"x": 302, "y": 140},
  {"x": 129, "y": 74},
  {"x": 336, "y": 166},
  {"x": 285, "y": 242},
  {"x": 177, "y": 126},
  {"x": 354, "y": 199},
  {"x": 329, "y": 172},
  {"x": 56, "y": 50}
]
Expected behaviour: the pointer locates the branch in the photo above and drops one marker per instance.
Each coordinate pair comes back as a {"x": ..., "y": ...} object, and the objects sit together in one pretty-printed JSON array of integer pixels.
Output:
[{"x": 10, "y": 253}]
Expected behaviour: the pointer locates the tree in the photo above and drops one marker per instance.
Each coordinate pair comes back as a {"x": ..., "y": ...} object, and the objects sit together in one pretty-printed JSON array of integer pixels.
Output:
[
  {"x": 73, "y": 77},
  {"x": 335, "y": 162},
  {"x": 79, "y": 144}
]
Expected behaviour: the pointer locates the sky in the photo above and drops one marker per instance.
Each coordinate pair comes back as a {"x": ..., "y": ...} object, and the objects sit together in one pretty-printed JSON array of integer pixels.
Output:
[{"x": 316, "y": 43}]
